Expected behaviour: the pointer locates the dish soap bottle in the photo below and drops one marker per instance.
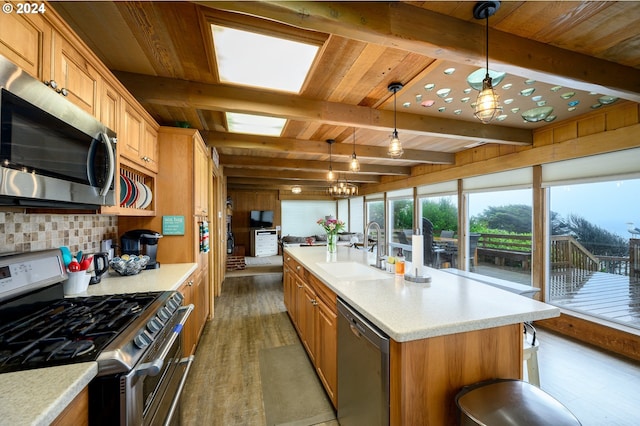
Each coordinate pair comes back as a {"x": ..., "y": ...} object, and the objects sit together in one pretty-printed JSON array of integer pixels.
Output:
[{"x": 400, "y": 263}]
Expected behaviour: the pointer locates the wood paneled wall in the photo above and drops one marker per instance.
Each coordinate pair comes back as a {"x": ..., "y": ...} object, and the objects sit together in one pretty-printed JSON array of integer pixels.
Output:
[{"x": 243, "y": 202}]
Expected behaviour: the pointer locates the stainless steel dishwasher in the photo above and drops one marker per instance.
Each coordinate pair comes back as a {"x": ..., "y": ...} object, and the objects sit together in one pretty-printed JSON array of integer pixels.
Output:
[{"x": 363, "y": 370}]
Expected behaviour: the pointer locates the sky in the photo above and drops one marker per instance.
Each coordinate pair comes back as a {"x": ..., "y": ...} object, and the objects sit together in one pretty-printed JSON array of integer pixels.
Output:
[{"x": 609, "y": 205}]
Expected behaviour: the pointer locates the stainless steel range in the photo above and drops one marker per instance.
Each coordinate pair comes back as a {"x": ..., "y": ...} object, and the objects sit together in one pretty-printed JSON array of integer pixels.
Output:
[{"x": 134, "y": 338}]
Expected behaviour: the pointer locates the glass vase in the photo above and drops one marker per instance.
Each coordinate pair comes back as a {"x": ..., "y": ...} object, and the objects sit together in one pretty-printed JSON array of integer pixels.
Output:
[{"x": 332, "y": 243}]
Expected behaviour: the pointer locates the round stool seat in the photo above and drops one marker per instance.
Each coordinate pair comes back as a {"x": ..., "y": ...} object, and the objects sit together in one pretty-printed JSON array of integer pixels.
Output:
[{"x": 510, "y": 403}]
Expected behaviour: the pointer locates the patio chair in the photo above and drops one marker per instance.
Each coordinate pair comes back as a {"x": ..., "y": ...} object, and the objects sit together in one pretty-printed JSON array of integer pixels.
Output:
[
  {"x": 473, "y": 245},
  {"x": 446, "y": 234},
  {"x": 432, "y": 252}
]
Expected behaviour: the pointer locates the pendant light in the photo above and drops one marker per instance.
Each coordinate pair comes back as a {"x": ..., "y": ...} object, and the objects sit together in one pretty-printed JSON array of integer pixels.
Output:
[
  {"x": 354, "y": 166},
  {"x": 487, "y": 107},
  {"x": 330, "y": 176},
  {"x": 395, "y": 146}
]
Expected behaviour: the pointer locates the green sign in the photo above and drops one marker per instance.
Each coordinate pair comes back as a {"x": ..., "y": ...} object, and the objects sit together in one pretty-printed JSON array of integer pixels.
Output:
[{"x": 172, "y": 225}]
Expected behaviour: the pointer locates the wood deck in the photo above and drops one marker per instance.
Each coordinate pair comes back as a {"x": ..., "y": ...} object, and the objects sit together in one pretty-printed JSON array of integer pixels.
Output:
[{"x": 607, "y": 296}]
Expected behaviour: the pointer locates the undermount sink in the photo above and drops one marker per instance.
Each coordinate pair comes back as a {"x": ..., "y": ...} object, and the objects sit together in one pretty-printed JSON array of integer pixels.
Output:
[{"x": 353, "y": 271}]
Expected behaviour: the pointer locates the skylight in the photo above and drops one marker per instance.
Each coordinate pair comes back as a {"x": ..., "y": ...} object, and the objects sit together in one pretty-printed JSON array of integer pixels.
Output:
[
  {"x": 261, "y": 61},
  {"x": 255, "y": 124}
]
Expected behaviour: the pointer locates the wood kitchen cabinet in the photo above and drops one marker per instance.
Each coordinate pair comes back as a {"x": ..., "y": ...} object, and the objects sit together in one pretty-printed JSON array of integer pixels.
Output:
[
  {"x": 73, "y": 74},
  {"x": 25, "y": 39},
  {"x": 189, "y": 330},
  {"x": 182, "y": 156},
  {"x": 312, "y": 308},
  {"x": 45, "y": 47},
  {"x": 137, "y": 139}
]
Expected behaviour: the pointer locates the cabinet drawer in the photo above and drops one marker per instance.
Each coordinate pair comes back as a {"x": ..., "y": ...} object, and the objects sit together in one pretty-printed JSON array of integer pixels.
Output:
[
  {"x": 295, "y": 266},
  {"x": 323, "y": 292}
]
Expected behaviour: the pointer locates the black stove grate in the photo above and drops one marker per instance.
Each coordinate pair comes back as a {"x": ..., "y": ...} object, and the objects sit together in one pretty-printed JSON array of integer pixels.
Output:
[{"x": 68, "y": 330}]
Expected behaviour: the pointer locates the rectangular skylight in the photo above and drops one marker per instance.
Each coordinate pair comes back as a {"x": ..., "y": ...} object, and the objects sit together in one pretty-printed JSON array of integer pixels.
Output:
[
  {"x": 255, "y": 124},
  {"x": 261, "y": 61}
]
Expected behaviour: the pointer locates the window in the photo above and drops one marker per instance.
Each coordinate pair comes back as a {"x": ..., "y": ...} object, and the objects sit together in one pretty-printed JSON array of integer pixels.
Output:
[
  {"x": 500, "y": 225},
  {"x": 375, "y": 213},
  {"x": 439, "y": 227},
  {"x": 594, "y": 227},
  {"x": 400, "y": 223}
]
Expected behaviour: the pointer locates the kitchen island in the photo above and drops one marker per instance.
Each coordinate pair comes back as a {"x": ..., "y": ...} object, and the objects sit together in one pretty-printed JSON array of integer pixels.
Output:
[
  {"x": 445, "y": 334},
  {"x": 40, "y": 396}
]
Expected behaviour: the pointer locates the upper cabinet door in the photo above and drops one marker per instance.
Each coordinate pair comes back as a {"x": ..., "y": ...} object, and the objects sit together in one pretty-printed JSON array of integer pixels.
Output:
[
  {"x": 74, "y": 76},
  {"x": 26, "y": 41}
]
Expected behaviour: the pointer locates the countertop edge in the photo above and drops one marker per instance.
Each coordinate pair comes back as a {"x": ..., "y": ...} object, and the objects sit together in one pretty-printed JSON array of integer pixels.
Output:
[{"x": 536, "y": 311}]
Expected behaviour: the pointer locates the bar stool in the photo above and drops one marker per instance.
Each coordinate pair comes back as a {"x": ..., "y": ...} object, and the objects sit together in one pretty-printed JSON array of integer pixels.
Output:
[
  {"x": 530, "y": 354},
  {"x": 510, "y": 403}
]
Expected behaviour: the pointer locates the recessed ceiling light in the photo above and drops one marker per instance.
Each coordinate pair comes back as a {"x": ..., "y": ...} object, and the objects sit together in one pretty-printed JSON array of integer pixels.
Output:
[
  {"x": 255, "y": 124},
  {"x": 258, "y": 60}
]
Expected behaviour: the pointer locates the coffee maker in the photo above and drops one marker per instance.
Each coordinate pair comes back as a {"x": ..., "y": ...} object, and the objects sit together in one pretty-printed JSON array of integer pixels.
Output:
[{"x": 141, "y": 242}]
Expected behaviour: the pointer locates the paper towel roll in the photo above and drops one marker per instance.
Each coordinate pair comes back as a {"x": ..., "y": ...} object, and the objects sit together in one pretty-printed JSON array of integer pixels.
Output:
[{"x": 417, "y": 254}]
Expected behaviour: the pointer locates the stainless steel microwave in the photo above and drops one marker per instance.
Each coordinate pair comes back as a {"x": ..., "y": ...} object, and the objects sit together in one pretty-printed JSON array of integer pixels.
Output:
[{"x": 52, "y": 153}]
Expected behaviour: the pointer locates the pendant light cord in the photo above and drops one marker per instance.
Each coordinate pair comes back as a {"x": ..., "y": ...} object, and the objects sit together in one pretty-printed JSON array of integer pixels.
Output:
[{"x": 487, "y": 41}]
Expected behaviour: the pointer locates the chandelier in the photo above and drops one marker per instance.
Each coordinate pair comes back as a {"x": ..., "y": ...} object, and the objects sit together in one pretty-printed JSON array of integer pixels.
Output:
[{"x": 342, "y": 188}]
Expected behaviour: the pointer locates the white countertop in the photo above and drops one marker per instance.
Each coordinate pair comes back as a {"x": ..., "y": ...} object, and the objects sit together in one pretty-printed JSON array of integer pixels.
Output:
[
  {"x": 37, "y": 397},
  {"x": 409, "y": 311}
]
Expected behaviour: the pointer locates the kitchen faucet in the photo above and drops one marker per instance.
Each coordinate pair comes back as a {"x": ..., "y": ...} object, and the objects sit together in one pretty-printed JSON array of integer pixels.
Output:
[{"x": 379, "y": 248}]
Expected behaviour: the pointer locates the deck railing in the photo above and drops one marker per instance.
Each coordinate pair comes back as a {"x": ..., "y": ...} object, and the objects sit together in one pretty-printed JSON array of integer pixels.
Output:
[
  {"x": 567, "y": 253},
  {"x": 634, "y": 259}
]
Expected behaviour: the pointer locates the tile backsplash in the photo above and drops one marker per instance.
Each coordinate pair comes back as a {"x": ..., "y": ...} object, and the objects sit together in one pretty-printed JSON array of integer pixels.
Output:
[{"x": 22, "y": 232}]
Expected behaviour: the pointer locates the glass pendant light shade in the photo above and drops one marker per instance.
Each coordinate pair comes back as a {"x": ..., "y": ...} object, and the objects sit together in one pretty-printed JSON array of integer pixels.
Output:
[
  {"x": 487, "y": 105},
  {"x": 330, "y": 176},
  {"x": 354, "y": 165},
  {"x": 395, "y": 146}
]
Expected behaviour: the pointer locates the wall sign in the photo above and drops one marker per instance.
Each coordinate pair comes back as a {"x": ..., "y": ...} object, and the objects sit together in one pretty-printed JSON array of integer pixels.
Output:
[{"x": 172, "y": 225}]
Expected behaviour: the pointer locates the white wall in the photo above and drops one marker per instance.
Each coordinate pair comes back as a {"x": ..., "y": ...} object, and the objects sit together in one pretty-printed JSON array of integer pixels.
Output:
[{"x": 299, "y": 217}]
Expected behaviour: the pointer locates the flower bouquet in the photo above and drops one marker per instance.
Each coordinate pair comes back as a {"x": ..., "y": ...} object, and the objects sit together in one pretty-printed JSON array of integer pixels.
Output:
[{"x": 331, "y": 227}]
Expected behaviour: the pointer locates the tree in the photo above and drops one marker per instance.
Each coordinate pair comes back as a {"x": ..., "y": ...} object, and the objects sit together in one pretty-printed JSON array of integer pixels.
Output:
[
  {"x": 442, "y": 213},
  {"x": 510, "y": 218},
  {"x": 595, "y": 239}
]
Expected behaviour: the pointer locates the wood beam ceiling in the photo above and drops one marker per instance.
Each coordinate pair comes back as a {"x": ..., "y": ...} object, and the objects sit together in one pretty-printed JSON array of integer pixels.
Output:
[
  {"x": 287, "y": 145},
  {"x": 219, "y": 97},
  {"x": 403, "y": 26}
]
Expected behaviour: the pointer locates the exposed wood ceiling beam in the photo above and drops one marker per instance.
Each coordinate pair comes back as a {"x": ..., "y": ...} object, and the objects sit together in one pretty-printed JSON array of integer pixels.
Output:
[
  {"x": 245, "y": 161},
  {"x": 290, "y": 175},
  {"x": 287, "y": 145},
  {"x": 403, "y": 26},
  {"x": 219, "y": 97}
]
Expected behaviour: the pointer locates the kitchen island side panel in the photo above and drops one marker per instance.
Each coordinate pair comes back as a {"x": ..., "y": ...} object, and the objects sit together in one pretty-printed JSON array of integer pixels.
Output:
[{"x": 427, "y": 374}]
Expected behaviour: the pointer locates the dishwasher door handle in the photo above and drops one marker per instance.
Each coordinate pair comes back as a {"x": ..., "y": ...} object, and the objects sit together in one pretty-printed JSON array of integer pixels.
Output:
[{"x": 355, "y": 330}]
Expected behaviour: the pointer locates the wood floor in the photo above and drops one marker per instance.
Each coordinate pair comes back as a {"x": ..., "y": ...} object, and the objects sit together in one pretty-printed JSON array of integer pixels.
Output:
[{"x": 224, "y": 387}]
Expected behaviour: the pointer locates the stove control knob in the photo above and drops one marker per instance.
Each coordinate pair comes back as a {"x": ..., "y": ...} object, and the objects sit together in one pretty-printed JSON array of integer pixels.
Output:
[
  {"x": 172, "y": 305},
  {"x": 164, "y": 314},
  {"x": 142, "y": 340},
  {"x": 154, "y": 325}
]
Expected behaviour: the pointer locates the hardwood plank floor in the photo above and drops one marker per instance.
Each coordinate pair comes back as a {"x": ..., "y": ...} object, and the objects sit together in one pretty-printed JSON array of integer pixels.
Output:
[{"x": 224, "y": 387}]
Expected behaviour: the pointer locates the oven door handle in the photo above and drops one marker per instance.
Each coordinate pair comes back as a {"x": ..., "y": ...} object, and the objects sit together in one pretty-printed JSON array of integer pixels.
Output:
[
  {"x": 176, "y": 398},
  {"x": 154, "y": 367}
]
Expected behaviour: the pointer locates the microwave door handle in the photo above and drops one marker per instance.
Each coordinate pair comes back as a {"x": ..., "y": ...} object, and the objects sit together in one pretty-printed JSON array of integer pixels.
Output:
[{"x": 112, "y": 164}]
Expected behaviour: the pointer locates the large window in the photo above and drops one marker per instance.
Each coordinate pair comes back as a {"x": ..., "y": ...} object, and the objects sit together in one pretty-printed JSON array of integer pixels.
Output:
[
  {"x": 375, "y": 213},
  {"x": 400, "y": 223},
  {"x": 500, "y": 225},
  {"x": 594, "y": 229}
]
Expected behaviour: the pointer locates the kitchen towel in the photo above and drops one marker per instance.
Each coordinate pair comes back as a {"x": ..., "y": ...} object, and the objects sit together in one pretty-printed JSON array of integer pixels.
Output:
[
  {"x": 417, "y": 255},
  {"x": 204, "y": 236}
]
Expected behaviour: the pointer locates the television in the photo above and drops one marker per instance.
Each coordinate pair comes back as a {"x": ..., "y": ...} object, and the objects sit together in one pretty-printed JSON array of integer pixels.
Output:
[{"x": 261, "y": 219}]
